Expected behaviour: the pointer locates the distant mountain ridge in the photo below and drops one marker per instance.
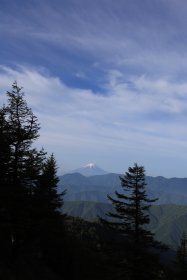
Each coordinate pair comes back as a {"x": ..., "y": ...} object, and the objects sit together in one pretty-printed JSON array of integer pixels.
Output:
[
  {"x": 95, "y": 188},
  {"x": 87, "y": 198}
]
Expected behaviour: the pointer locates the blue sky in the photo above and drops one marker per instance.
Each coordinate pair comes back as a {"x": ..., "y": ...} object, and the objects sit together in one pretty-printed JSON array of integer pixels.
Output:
[{"x": 107, "y": 79}]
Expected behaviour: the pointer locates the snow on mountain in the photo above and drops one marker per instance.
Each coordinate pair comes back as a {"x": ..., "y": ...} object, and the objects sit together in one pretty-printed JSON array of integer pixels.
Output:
[{"x": 90, "y": 169}]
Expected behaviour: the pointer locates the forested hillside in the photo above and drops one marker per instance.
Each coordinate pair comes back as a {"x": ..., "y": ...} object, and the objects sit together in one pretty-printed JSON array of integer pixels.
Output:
[{"x": 168, "y": 222}]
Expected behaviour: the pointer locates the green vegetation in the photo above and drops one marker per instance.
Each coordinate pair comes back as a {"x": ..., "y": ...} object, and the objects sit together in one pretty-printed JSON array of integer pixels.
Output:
[{"x": 167, "y": 222}]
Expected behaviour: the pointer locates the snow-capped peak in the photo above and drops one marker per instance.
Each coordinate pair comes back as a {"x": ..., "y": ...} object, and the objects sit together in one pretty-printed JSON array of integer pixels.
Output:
[
  {"x": 89, "y": 165},
  {"x": 89, "y": 169}
]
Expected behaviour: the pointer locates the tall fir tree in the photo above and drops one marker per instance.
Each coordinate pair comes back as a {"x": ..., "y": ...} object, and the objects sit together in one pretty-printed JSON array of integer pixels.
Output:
[
  {"x": 132, "y": 207},
  {"x": 20, "y": 163},
  {"x": 46, "y": 194},
  {"x": 128, "y": 221},
  {"x": 25, "y": 164},
  {"x": 48, "y": 216},
  {"x": 30, "y": 206},
  {"x": 23, "y": 131}
]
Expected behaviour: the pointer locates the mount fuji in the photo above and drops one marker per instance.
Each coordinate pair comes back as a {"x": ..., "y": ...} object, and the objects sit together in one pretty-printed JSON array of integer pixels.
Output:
[{"x": 89, "y": 169}]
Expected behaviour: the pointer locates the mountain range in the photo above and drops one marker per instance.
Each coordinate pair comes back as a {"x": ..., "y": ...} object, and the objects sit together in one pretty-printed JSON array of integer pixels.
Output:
[
  {"x": 86, "y": 197},
  {"x": 95, "y": 188}
]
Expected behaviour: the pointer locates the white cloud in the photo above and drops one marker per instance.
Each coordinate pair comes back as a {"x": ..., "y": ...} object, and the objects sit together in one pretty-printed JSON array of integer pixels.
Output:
[{"x": 136, "y": 119}]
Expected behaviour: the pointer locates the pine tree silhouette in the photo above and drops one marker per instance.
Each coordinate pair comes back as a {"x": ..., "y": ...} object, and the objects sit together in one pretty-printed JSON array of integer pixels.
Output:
[{"x": 128, "y": 222}]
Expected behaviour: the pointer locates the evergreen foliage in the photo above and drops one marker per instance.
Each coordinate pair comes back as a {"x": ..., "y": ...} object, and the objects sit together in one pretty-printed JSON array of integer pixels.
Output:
[
  {"x": 30, "y": 207},
  {"x": 128, "y": 221},
  {"x": 49, "y": 220},
  {"x": 23, "y": 131},
  {"x": 131, "y": 207},
  {"x": 24, "y": 165},
  {"x": 47, "y": 198}
]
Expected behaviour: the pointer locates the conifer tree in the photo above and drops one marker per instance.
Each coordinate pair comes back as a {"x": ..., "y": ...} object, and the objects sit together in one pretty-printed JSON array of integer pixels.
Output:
[
  {"x": 132, "y": 207},
  {"x": 30, "y": 206},
  {"x": 19, "y": 128},
  {"x": 47, "y": 197},
  {"x": 128, "y": 222},
  {"x": 48, "y": 215},
  {"x": 23, "y": 131}
]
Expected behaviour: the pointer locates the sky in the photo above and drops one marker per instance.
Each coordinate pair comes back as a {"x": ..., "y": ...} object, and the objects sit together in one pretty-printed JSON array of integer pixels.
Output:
[{"x": 106, "y": 79}]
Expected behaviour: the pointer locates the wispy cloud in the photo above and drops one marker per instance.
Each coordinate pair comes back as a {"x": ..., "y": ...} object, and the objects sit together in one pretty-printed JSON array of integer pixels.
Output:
[
  {"x": 147, "y": 37},
  {"x": 106, "y": 79},
  {"x": 123, "y": 124}
]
